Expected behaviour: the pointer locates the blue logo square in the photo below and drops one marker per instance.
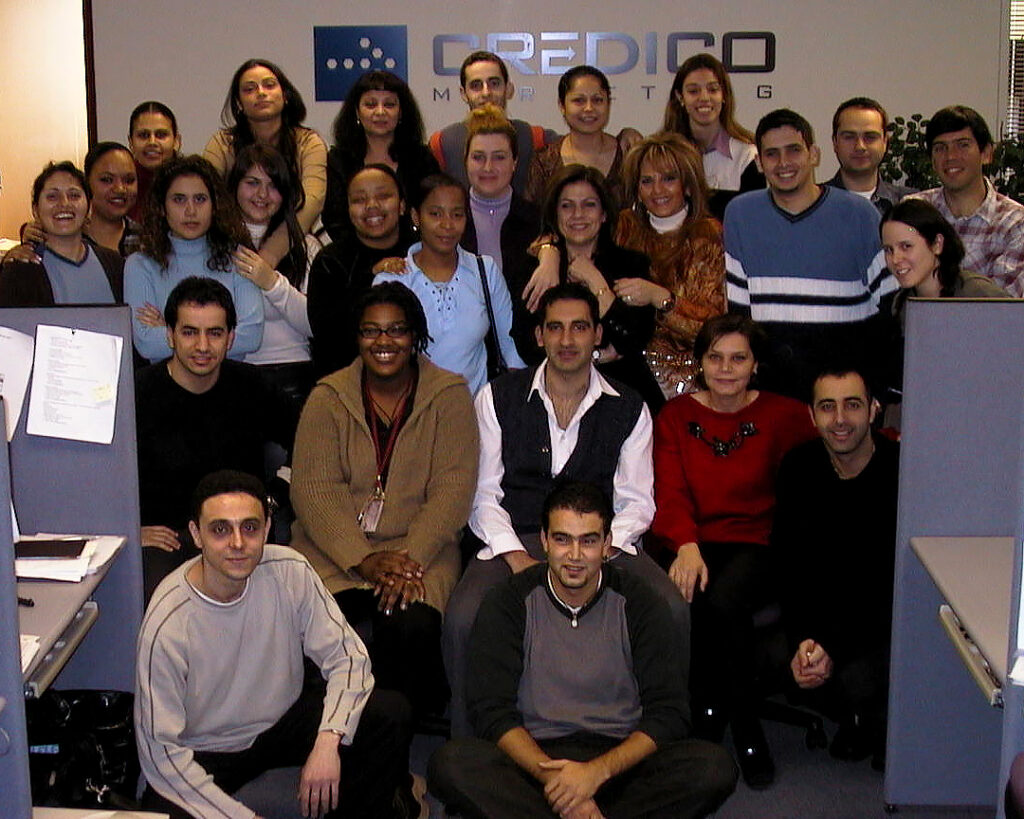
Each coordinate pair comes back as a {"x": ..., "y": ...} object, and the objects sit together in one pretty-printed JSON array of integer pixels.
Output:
[{"x": 343, "y": 53}]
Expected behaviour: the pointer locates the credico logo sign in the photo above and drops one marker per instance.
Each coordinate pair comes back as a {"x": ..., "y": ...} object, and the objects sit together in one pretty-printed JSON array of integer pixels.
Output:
[
  {"x": 343, "y": 53},
  {"x": 614, "y": 52}
]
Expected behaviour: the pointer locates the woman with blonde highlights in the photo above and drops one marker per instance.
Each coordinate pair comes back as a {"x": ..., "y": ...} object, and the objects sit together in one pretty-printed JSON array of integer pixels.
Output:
[{"x": 669, "y": 223}]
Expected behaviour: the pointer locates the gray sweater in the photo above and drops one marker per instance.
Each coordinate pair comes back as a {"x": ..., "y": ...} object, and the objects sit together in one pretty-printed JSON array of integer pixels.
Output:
[{"x": 212, "y": 677}]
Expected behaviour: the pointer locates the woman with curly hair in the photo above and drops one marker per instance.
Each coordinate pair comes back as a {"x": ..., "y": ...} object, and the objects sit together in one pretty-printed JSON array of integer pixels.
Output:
[
  {"x": 263, "y": 106},
  {"x": 379, "y": 123},
  {"x": 192, "y": 228},
  {"x": 670, "y": 224},
  {"x": 702, "y": 107}
]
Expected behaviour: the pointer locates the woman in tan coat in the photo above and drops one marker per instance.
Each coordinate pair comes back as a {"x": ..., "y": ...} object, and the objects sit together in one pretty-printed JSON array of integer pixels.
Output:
[{"x": 383, "y": 478}]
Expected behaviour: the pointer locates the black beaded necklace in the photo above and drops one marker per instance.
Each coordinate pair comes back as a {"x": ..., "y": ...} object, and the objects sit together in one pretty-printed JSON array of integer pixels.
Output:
[{"x": 718, "y": 446}]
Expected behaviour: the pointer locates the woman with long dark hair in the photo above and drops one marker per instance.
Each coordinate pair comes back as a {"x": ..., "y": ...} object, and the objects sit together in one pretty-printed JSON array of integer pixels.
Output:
[
  {"x": 267, "y": 196},
  {"x": 579, "y": 211},
  {"x": 702, "y": 107},
  {"x": 192, "y": 228},
  {"x": 379, "y": 123},
  {"x": 263, "y": 106}
]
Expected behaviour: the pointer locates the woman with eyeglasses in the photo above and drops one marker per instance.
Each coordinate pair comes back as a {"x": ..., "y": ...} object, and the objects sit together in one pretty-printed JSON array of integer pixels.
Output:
[
  {"x": 383, "y": 477},
  {"x": 716, "y": 454}
]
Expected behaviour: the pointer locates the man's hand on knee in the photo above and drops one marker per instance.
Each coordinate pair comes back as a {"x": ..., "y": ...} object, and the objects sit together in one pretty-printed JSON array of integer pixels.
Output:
[{"x": 321, "y": 776}]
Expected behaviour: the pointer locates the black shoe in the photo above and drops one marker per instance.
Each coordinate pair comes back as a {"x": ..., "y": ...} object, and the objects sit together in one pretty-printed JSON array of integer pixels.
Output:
[
  {"x": 709, "y": 723},
  {"x": 852, "y": 741},
  {"x": 753, "y": 753}
]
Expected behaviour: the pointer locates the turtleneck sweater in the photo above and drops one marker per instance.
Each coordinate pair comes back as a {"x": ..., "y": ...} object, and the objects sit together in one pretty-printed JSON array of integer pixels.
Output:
[{"x": 146, "y": 282}]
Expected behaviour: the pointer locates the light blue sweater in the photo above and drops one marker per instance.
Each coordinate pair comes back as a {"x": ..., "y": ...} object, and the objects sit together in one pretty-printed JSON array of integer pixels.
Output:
[
  {"x": 457, "y": 315},
  {"x": 145, "y": 282}
]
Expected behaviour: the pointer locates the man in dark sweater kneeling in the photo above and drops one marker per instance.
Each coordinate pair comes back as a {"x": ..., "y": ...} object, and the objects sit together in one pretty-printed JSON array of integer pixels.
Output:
[{"x": 574, "y": 691}]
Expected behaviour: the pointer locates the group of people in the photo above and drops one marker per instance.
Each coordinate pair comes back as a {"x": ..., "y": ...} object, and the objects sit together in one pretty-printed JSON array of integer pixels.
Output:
[{"x": 512, "y": 374}]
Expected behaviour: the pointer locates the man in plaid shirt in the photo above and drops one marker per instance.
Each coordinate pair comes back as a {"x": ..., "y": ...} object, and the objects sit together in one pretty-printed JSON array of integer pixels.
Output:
[{"x": 991, "y": 225}]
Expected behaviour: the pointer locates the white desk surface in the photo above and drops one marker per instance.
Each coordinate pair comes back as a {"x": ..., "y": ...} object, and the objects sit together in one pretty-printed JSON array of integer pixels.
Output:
[{"x": 975, "y": 574}]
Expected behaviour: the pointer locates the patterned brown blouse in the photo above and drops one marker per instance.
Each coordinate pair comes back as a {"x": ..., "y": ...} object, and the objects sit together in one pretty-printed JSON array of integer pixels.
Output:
[
  {"x": 689, "y": 262},
  {"x": 549, "y": 159}
]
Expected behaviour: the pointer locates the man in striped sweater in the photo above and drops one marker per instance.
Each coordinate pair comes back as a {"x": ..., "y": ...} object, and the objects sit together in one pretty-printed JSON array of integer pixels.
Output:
[{"x": 804, "y": 260}]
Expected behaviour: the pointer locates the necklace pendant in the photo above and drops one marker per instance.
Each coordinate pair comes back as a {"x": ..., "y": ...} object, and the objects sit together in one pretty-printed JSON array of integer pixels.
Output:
[{"x": 575, "y": 621}]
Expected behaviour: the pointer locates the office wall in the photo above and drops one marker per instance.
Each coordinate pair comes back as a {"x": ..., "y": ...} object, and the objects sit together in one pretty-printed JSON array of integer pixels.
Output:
[
  {"x": 914, "y": 55},
  {"x": 42, "y": 97}
]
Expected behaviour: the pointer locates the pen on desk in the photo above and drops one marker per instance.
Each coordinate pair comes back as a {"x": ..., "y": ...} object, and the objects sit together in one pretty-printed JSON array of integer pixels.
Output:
[{"x": 26, "y": 601}]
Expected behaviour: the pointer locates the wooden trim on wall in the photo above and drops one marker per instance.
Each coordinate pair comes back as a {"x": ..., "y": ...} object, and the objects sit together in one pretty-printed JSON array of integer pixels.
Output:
[{"x": 90, "y": 71}]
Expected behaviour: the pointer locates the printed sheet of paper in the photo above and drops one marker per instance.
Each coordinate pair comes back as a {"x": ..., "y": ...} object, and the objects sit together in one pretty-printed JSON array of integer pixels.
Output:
[
  {"x": 15, "y": 365},
  {"x": 74, "y": 384}
]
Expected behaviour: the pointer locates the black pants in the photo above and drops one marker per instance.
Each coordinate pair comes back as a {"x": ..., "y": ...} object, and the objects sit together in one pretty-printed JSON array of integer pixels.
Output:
[
  {"x": 373, "y": 767},
  {"x": 740, "y": 583},
  {"x": 689, "y": 778},
  {"x": 405, "y": 648}
]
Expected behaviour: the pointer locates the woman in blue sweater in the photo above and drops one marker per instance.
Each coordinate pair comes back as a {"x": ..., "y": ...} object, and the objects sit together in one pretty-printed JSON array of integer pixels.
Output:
[{"x": 192, "y": 228}]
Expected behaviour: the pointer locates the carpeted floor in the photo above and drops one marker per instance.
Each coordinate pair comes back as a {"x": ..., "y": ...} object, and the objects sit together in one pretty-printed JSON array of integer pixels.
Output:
[{"x": 808, "y": 785}]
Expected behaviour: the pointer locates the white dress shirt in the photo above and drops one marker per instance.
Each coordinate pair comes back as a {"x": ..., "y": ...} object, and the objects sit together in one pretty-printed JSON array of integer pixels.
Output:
[{"x": 633, "y": 493}]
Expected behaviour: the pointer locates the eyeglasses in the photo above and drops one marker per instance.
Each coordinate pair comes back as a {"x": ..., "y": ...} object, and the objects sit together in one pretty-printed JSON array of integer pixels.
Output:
[{"x": 373, "y": 331}]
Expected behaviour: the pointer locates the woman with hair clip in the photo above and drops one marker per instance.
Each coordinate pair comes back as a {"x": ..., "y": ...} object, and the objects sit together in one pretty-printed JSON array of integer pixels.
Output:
[
  {"x": 701, "y": 106},
  {"x": 450, "y": 283},
  {"x": 379, "y": 123},
  {"x": 584, "y": 98},
  {"x": 501, "y": 223},
  {"x": 716, "y": 455},
  {"x": 344, "y": 269},
  {"x": 263, "y": 106},
  {"x": 669, "y": 224},
  {"x": 192, "y": 229},
  {"x": 578, "y": 211},
  {"x": 154, "y": 139},
  {"x": 383, "y": 479},
  {"x": 267, "y": 196},
  {"x": 62, "y": 267}
]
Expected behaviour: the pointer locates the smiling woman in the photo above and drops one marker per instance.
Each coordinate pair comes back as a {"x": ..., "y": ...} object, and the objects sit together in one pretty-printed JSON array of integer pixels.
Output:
[
  {"x": 584, "y": 98},
  {"x": 263, "y": 106},
  {"x": 379, "y": 123},
  {"x": 450, "y": 283},
  {"x": 383, "y": 476},
  {"x": 69, "y": 269}
]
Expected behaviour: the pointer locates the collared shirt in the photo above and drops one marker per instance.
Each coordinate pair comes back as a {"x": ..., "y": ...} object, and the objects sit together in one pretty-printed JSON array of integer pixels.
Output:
[
  {"x": 993, "y": 237},
  {"x": 885, "y": 195},
  {"x": 457, "y": 315},
  {"x": 633, "y": 494},
  {"x": 724, "y": 164}
]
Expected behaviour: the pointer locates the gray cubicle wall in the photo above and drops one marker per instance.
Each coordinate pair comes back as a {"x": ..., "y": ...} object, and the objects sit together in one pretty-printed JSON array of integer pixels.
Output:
[
  {"x": 14, "y": 773},
  {"x": 960, "y": 474},
  {"x": 74, "y": 486}
]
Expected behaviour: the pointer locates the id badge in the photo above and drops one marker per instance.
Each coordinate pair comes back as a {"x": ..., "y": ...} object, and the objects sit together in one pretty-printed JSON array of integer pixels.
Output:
[{"x": 370, "y": 514}]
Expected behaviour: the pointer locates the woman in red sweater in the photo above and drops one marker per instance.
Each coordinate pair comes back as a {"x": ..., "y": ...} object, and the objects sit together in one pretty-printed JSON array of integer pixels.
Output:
[{"x": 716, "y": 453}]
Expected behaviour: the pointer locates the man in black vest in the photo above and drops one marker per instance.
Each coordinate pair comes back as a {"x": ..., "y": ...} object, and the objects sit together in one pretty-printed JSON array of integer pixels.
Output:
[{"x": 562, "y": 421}]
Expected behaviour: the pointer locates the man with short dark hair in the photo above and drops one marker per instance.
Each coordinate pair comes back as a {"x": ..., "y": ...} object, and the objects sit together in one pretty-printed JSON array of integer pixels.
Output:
[
  {"x": 990, "y": 224},
  {"x": 804, "y": 260},
  {"x": 860, "y": 138},
  {"x": 575, "y": 692},
  {"x": 835, "y": 531},
  {"x": 559, "y": 421},
  {"x": 195, "y": 413},
  {"x": 220, "y": 694},
  {"x": 483, "y": 78}
]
